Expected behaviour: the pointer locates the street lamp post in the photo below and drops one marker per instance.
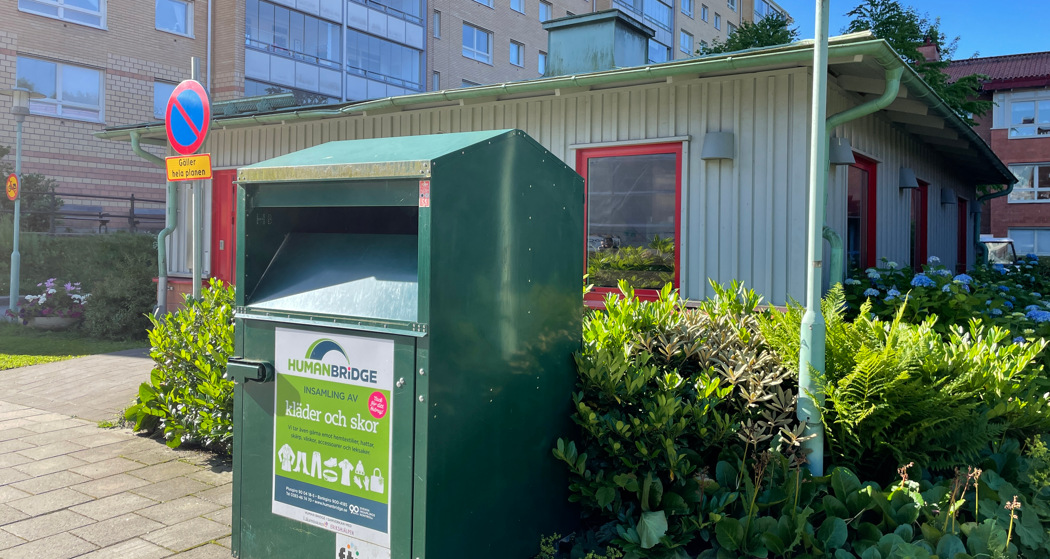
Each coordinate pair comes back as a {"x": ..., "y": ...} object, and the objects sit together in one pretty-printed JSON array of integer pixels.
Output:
[{"x": 20, "y": 108}]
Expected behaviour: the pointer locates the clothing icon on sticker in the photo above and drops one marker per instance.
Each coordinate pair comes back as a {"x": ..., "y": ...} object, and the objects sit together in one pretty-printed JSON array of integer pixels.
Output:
[
  {"x": 377, "y": 481},
  {"x": 287, "y": 457},
  {"x": 360, "y": 468}
]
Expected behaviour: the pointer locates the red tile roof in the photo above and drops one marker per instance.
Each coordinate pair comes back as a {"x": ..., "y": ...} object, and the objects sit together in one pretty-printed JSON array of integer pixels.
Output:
[{"x": 1030, "y": 69}]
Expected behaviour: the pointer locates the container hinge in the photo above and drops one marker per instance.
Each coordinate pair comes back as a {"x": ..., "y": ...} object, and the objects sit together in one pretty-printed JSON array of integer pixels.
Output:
[{"x": 243, "y": 370}]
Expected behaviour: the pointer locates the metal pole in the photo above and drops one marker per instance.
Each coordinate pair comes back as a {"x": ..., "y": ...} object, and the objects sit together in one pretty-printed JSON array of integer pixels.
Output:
[
  {"x": 16, "y": 257},
  {"x": 812, "y": 334},
  {"x": 198, "y": 213}
]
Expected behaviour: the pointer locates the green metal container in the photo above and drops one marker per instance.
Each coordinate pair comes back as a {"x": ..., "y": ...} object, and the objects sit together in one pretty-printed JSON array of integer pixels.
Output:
[{"x": 407, "y": 309}]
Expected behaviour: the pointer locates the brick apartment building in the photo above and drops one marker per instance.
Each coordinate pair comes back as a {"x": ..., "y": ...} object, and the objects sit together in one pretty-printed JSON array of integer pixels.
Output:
[
  {"x": 99, "y": 63},
  {"x": 1018, "y": 130}
]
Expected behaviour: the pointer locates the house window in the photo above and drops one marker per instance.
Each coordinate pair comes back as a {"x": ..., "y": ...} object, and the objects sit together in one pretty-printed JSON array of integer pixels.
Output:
[
  {"x": 435, "y": 81},
  {"x": 436, "y": 23},
  {"x": 731, "y": 4},
  {"x": 477, "y": 43},
  {"x": 703, "y": 12},
  {"x": 860, "y": 214},
  {"x": 1029, "y": 118},
  {"x": 1033, "y": 183},
  {"x": 687, "y": 7},
  {"x": 632, "y": 206},
  {"x": 541, "y": 63},
  {"x": 86, "y": 12},
  {"x": 69, "y": 91},
  {"x": 730, "y": 29},
  {"x": 718, "y": 21},
  {"x": 545, "y": 11},
  {"x": 174, "y": 16},
  {"x": 919, "y": 225},
  {"x": 1031, "y": 241},
  {"x": 292, "y": 34},
  {"x": 658, "y": 52},
  {"x": 685, "y": 42},
  {"x": 161, "y": 93},
  {"x": 517, "y": 5},
  {"x": 383, "y": 60},
  {"x": 963, "y": 239},
  {"x": 517, "y": 53}
]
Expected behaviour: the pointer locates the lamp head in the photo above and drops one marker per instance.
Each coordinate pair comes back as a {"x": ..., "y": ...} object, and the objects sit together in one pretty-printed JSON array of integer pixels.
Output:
[{"x": 20, "y": 98}]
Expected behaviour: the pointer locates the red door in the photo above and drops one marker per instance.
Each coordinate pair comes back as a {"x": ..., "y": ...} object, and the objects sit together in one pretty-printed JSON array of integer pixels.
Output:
[
  {"x": 223, "y": 225},
  {"x": 963, "y": 237}
]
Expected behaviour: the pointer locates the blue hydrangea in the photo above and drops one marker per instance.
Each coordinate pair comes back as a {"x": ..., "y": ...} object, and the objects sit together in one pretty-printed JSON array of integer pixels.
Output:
[
  {"x": 1037, "y": 295},
  {"x": 922, "y": 280},
  {"x": 1019, "y": 340},
  {"x": 933, "y": 260},
  {"x": 873, "y": 275},
  {"x": 962, "y": 278},
  {"x": 1038, "y": 316},
  {"x": 851, "y": 281},
  {"x": 871, "y": 292},
  {"x": 996, "y": 312},
  {"x": 999, "y": 268},
  {"x": 1032, "y": 256},
  {"x": 943, "y": 272},
  {"x": 893, "y": 292},
  {"x": 1008, "y": 304},
  {"x": 889, "y": 299},
  {"x": 988, "y": 302},
  {"x": 1003, "y": 288},
  {"x": 947, "y": 288},
  {"x": 1031, "y": 308}
]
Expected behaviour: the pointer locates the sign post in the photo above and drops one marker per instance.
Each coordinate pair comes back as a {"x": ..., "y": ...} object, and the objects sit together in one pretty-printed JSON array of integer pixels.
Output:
[{"x": 186, "y": 121}]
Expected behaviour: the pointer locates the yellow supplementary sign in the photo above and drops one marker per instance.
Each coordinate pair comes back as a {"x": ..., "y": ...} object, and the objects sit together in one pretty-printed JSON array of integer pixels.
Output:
[
  {"x": 189, "y": 168},
  {"x": 11, "y": 186}
]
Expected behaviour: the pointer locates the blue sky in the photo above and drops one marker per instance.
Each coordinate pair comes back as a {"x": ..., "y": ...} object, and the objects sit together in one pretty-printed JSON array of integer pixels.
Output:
[{"x": 991, "y": 28}]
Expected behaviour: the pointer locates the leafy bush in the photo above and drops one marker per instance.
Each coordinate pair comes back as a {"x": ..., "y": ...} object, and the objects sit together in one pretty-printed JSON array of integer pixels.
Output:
[
  {"x": 120, "y": 305},
  {"x": 664, "y": 390},
  {"x": 38, "y": 196},
  {"x": 898, "y": 393},
  {"x": 188, "y": 396}
]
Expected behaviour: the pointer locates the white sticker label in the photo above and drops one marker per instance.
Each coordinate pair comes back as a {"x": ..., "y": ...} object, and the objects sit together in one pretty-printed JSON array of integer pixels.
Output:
[{"x": 351, "y": 548}]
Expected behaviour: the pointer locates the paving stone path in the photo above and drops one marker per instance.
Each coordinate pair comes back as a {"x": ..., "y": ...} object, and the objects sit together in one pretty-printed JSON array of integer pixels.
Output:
[{"x": 71, "y": 489}]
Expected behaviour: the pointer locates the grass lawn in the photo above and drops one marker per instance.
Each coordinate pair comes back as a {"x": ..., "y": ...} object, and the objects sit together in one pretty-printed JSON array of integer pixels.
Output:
[{"x": 21, "y": 346}]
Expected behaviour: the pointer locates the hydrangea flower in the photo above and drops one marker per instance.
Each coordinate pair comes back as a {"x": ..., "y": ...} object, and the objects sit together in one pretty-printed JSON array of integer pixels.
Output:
[
  {"x": 933, "y": 260},
  {"x": 891, "y": 265},
  {"x": 873, "y": 273},
  {"x": 1037, "y": 295},
  {"x": 893, "y": 292},
  {"x": 851, "y": 281},
  {"x": 922, "y": 280},
  {"x": 871, "y": 292},
  {"x": 889, "y": 299},
  {"x": 943, "y": 272},
  {"x": 1031, "y": 308},
  {"x": 999, "y": 268},
  {"x": 1038, "y": 316},
  {"x": 1003, "y": 288},
  {"x": 996, "y": 312},
  {"x": 1019, "y": 340},
  {"x": 1008, "y": 304},
  {"x": 947, "y": 288},
  {"x": 1032, "y": 256},
  {"x": 962, "y": 278},
  {"x": 988, "y": 302}
]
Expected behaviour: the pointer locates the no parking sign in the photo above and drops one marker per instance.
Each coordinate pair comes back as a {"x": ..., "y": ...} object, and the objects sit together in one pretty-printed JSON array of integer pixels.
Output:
[{"x": 186, "y": 121}]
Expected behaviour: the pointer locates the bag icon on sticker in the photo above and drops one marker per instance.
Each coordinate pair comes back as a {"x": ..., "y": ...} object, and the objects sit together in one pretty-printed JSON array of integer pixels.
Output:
[{"x": 377, "y": 481}]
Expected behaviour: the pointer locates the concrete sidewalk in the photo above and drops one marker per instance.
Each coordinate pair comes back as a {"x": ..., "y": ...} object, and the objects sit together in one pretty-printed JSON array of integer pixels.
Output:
[{"x": 70, "y": 489}]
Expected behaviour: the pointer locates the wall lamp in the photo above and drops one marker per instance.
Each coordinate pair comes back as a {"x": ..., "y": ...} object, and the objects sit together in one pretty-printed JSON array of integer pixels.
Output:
[
  {"x": 947, "y": 197},
  {"x": 840, "y": 152},
  {"x": 907, "y": 178},
  {"x": 717, "y": 145}
]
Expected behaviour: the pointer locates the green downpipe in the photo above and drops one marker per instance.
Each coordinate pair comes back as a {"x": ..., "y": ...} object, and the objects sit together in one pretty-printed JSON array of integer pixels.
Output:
[
  {"x": 893, "y": 84},
  {"x": 169, "y": 225}
]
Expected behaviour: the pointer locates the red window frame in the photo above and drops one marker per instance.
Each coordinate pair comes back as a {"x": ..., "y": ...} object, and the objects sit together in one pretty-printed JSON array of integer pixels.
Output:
[
  {"x": 597, "y": 295},
  {"x": 870, "y": 218},
  {"x": 921, "y": 218}
]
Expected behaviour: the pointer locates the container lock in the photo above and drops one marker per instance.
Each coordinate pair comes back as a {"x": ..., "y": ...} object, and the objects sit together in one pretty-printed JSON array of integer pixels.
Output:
[{"x": 242, "y": 370}]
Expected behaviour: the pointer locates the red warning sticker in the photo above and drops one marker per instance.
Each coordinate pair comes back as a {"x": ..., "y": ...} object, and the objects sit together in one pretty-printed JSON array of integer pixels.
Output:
[{"x": 424, "y": 194}]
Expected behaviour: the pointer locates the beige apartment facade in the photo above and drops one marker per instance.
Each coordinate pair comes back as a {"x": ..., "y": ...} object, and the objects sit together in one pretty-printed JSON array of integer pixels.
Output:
[{"x": 98, "y": 63}]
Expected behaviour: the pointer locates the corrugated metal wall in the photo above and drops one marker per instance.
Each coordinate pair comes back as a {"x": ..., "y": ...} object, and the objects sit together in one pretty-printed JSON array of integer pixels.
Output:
[
  {"x": 742, "y": 219},
  {"x": 876, "y": 137}
]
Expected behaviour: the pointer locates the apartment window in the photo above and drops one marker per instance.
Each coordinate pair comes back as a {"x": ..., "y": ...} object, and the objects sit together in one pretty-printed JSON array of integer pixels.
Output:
[
  {"x": 1033, "y": 183},
  {"x": 731, "y": 4},
  {"x": 161, "y": 93},
  {"x": 383, "y": 60},
  {"x": 703, "y": 12},
  {"x": 1029, "y": 118},
  {"x": 477, "y": 44},
  {"x": 436, "y": 23},
  {"x": 484, "y": 2},
  {"x": 517, "y": 5},
  {"x": 69, "y": 91},
  {"x": 293, "y": 34},
  {"x": 409, "y": 10},
  {"x": 763, "y": 9},
  {"x": 685, "y": 42},
  {"x": 1031, "y": 241},
  {"x": 730, "y": 29},
  {"x": 541, "y": 63},
  {"x": 860, "y": 214},
  {"x": 687, "y": 7},
  {"x": 718, "y": 21},
  {"x": 517, "y": 54},
  {"x": 546, "y": 11},
  {"x": 86, "y": 12},
  {"x": 633, "y": 201},
  {"x": 658, "y": 52},
  {"x": 174, "y": 16}
]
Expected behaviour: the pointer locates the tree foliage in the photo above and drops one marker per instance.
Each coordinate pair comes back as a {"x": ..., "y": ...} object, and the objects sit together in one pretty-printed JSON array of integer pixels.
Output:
[
  {"x": 906, "y": 31},
  {"x": 38, "y": 196},
  {"x": 769, "y": 31}
]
